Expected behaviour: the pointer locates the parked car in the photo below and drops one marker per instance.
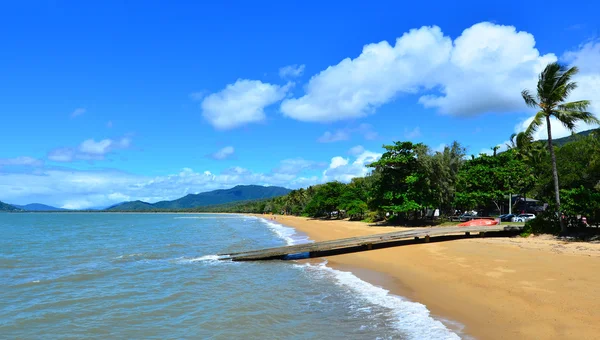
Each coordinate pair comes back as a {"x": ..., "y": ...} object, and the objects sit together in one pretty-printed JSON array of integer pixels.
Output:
[
  {"x": 507, "y": 217},
  {"x": 524, "y": 218},
  {"x": 466, "y": 217}
]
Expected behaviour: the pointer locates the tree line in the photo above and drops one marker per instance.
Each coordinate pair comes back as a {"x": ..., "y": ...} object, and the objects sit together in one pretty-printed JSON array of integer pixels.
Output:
[{"x": 410, "y": 178}]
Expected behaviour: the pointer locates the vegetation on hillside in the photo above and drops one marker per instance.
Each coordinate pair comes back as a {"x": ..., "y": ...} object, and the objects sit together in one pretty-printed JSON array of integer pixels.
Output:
[
  {"x": 4, "y": 207},
  {"x": 221, "y": 196}
]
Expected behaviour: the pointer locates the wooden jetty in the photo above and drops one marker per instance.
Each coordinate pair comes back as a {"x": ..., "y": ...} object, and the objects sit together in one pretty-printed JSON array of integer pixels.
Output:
[{"x": 368, "y": 242}]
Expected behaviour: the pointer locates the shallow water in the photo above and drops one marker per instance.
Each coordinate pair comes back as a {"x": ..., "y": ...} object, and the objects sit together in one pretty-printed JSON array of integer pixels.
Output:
[{"x": 76, "y": 275}]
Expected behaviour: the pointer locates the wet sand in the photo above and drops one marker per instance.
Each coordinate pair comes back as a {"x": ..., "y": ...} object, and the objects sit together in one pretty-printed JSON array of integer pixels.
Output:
[{"x": 498, "y": 288}]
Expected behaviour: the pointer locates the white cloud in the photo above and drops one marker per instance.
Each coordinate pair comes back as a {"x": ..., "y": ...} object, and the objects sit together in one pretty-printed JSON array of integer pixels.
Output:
[
  {"x": 77, "y": 112},
  {"x": 412, "y": 134},
  {"x": 224, "y": 153},
  {"x": 241, "y": 103},
  {"x": 587, "y": 59},
  {"x": 558, "y": 129},
  {"x": 291, "y": 71},
  {"x": 21, "y": 161},
  {"x": 340, "y": 168},
  {"x": 483, "y": 70},
  {"x": 78, "y": 189},
  {"x": 366, "y": 130},
  {"x": 89, "y": 149}
]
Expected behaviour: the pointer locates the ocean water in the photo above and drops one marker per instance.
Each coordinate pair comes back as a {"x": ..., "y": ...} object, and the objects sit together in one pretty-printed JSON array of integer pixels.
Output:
[{"x": 76, "y": 275}]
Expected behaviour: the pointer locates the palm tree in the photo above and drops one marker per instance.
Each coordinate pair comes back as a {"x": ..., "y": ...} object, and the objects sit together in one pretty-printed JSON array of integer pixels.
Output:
[
  {"x": 553, "y": 88},
  {"x": 495, "y": 149}
]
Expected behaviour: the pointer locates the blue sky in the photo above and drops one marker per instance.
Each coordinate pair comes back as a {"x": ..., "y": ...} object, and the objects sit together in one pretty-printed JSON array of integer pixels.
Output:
[{"x": 117, "y": 101}]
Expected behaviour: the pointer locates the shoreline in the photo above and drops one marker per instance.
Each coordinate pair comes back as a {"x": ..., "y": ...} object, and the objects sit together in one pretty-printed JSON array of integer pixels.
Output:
[{"x": 516, "y": 288}]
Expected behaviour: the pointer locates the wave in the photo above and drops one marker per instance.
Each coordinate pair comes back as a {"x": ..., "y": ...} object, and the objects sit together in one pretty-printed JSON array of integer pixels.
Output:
[
  {"x": 411, "y": 318},
  {"x": 211, "y": 259},
  {"x": 289, "y": 235},
  {"x": 220, "y": 216}
]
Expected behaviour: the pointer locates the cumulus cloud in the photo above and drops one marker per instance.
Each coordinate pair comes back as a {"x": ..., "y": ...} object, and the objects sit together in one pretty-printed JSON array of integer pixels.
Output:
[
  {"x": 291, "y": 71},
  {"x": 341, "y": 169},
  {"x": 482, "y": 70},
  {"x": 587, "y": 59},
  {"x": 21, "y": 161},
  {"x": 81, "y": 189},
  {"x": 89, "y": 149},
  {"x": 241, "y": 103},
  {"x": 77, "y": 112},
  {"x": 77, "y": 189},
  {"x": 366, "y": 130},
  {"x": 223, "y": 153}
]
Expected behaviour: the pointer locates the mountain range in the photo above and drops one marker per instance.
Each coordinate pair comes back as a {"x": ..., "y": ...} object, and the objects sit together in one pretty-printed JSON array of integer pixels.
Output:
[
  {"x": 38, "y": 207},
  {"x": 221, "y": 196}
]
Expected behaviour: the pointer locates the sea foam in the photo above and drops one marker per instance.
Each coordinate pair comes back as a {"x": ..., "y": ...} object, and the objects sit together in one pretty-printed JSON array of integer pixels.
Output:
[{"x": 411, "y": 318}]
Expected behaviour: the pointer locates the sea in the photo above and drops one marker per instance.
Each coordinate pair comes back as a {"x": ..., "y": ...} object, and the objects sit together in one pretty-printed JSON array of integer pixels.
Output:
[{"x": 158, "y": 276}]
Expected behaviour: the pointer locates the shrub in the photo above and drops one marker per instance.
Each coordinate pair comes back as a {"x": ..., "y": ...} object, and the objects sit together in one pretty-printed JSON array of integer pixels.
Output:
[{"x": 543, "y": 223}]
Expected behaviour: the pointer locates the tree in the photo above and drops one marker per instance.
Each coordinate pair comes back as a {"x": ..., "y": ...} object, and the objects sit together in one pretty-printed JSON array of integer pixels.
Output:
[
  {"x": 400, "y": 183},
  {"x": 488, "y": 179},
  {"x": 326, "y": 199},
  {"x": 553, "y": 88}
]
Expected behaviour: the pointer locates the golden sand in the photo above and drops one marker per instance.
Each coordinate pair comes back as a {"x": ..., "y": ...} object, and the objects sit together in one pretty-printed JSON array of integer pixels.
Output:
[{"x": 508, "y": 288}]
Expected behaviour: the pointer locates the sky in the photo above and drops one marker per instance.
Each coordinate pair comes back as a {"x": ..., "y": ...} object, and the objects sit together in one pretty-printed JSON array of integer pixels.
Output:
[{"x": 104, "y": 102}]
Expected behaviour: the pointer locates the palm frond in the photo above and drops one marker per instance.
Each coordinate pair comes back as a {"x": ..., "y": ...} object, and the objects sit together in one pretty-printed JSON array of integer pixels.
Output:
[
  {"x": 584, "y": 116},
  {"x": 566, "y": 118},
  {"x": 529, "y": 100},
  {"x": 548, "y": 79},
  {"x": 580, "y": 105},
  {"x": 564, "y": 86},
  {"x": 537, "y": 121}
]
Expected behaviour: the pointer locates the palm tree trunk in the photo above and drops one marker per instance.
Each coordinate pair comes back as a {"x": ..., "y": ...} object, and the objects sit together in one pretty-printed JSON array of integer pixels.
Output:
[{"x": 563, "y": 226}]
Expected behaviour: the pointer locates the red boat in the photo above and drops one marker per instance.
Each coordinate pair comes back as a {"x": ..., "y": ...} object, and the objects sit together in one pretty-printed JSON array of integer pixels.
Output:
[{"x": 480, "y": 222}]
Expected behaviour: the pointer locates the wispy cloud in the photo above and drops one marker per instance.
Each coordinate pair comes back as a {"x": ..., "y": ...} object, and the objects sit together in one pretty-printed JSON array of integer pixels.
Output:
[
  {"x": 291, "y": 71},
  {"x": 336, "y": 136},
  {"x": 223, "y": 153},
  {"x": 78, "y": 112},
  {"x": 21, "y": 161},
  {"x": 411, "y": 134},
  {"x": 366, "y": 130},
  {"x": 89, "y": 149}
]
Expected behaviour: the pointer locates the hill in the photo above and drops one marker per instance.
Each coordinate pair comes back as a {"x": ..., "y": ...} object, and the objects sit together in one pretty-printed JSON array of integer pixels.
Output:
[
  {"x": 564, "y": 140},
  {"x": 38, "y": 207},
  {"x": 132, "y": 206},
  {"x": 215, "y": 197},
  {"x": 7, "y": 207}
]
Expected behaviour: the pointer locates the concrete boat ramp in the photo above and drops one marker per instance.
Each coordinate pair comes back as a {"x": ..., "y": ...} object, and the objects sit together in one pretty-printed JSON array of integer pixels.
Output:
[{"x": 371, "y": 242}]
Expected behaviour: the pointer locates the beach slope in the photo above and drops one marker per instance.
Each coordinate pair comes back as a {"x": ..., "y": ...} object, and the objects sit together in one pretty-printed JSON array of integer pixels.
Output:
[{"x": 509, "y": 288}]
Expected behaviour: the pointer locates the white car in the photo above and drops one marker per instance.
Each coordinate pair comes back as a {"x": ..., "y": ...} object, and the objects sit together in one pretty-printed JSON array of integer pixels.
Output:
[{"x": 523, "y": 218}]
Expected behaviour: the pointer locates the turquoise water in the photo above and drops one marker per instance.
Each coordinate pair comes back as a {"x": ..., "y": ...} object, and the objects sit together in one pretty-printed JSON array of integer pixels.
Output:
[{"x": 73, "y": 275}]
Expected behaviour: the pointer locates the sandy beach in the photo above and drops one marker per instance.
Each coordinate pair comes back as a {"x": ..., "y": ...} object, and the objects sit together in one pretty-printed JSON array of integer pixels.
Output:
[{"x": 509, "y": 288}]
